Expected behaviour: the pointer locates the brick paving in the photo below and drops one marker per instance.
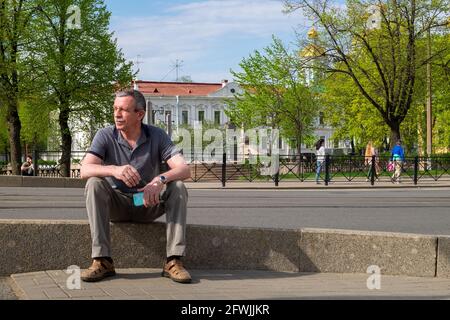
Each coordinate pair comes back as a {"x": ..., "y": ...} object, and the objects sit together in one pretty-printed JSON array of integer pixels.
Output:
[{"x": 148, "y": 284}]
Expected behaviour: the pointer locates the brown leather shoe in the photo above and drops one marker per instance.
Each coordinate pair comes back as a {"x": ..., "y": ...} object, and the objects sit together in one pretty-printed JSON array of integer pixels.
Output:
[
  {"x": 174, "y": 270},
  {"x": 100, "y": 269}
]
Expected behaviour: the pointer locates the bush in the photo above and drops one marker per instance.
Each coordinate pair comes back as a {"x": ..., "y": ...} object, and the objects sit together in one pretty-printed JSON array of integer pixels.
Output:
[{"x": 47, "y": 162}]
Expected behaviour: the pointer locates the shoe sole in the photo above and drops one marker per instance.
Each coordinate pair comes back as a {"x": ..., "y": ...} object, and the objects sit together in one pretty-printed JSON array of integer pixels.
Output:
[
  {"x": 167, "y": 275},
  {"x": 106, "y": 274}
]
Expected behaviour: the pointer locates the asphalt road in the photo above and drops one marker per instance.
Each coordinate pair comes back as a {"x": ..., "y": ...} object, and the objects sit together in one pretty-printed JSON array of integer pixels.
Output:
[{"x": 423, "y": 211}]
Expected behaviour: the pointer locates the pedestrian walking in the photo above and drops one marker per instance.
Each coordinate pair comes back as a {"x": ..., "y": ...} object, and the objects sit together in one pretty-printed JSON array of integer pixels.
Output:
[
  {"x": 398, "y": 158},
  {"x": 320, "y": 157},
  {"x": 371, "y": 152}
]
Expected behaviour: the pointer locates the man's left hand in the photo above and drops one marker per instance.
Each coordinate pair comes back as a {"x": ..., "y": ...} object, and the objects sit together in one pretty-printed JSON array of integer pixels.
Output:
[{"x": 151, "y": 192}]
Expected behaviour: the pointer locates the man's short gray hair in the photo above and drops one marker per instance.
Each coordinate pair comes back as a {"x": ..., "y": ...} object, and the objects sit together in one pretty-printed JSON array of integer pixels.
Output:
[{"x": 139, "y": 98}]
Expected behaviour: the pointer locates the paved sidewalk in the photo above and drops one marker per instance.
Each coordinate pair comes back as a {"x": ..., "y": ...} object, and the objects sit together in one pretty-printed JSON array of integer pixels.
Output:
[
  {"x": 6, "y": 293},
  {"x": 229, "y": 285}
]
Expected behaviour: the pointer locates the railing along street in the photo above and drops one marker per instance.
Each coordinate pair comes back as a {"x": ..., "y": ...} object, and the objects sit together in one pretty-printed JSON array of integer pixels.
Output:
[{"x": 347, "y": 168}]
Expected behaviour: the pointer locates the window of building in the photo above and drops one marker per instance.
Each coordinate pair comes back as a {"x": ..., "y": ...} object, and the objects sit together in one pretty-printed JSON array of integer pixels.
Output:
[
  {"x": 184, "y": 117},
  {"x": 201, "y": 116},
  {"x": 217, "y": 117}
]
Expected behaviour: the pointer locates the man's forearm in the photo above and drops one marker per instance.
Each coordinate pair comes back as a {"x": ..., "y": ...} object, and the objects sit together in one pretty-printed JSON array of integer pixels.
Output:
[
  {"x": 96, "y": 170},
  {"x": 179, "y": 173}
]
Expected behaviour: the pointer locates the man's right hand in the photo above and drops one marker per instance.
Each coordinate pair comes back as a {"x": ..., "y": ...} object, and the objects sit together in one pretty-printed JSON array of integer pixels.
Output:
[{"x": 128, "y": 174}]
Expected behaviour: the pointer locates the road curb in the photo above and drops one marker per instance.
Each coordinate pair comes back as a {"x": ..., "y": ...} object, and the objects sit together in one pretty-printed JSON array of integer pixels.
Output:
[
  {"x": 48, "y": 182},
  {"x": 34, "y": 245}
]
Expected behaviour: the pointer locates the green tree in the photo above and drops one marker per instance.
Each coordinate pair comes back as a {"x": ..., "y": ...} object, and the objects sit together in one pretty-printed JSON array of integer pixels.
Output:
[
  {"x": 3, "y": 132},
  {"x": 352, "y": 115},
  {"x": 275, "y": 94},
  {"x": 440, "y": 84},
  {"x": 79, "y": 64},
  {"x": 15, "y": 16},
  {"x": 34, "y": 118},
  {"x": 380, "y": 57}
]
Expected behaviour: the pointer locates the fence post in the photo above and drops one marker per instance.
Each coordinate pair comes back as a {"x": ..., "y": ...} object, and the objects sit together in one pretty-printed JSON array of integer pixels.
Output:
[
  {"x": 224, "y": 168},
  {"x": 277, "y": 173},
  {"x": 327, "y": 169},
  {"x": 416, "y": 168},
  {"x": 372, "y": 171}
]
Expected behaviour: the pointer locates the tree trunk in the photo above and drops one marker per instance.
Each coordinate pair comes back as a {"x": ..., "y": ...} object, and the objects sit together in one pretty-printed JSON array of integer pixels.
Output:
[
  {"x": 299, "y": 153},
  {"x": 299, "y": 140},
  {"x": 395, "y": 133},
  {"x": 14, "y": 128},
  {"x": 66, "y": 139},
  {"x": 299, "y": 147}
]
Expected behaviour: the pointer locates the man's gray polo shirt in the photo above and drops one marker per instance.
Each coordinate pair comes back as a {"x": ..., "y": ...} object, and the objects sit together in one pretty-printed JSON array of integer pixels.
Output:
[{"x": 153, "y": 147}]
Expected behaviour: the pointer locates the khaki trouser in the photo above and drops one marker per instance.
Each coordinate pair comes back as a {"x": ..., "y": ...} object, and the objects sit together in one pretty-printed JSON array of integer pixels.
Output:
[{"x": 105, "y": 204}]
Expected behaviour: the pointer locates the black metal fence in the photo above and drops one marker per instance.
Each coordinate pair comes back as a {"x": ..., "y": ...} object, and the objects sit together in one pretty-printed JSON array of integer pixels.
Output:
[
  {"x": 332, "y": 168},
  {"x": 293, "y": 168}
]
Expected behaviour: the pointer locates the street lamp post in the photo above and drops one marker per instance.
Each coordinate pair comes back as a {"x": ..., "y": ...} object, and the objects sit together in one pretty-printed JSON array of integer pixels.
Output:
[{"x": 429, "y": 99}]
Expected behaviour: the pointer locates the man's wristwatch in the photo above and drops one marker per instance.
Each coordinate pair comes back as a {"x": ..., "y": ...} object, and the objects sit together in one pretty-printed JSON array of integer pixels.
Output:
[{"x": 163, "y": 179}]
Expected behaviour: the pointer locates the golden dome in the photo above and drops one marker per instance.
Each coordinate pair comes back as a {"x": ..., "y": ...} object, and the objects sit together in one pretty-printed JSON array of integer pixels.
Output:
[
  {"x": 312, "y": 50},
  {"x": 312, "y": 33}
]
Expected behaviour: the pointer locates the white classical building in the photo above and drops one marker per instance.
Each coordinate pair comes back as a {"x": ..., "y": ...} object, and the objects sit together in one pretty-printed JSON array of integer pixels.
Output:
[{"x": 184, "y": 103}]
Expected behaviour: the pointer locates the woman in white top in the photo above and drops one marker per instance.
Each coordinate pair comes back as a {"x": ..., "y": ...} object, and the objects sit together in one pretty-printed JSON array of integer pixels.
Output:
[{"x": 320, "y": 155}]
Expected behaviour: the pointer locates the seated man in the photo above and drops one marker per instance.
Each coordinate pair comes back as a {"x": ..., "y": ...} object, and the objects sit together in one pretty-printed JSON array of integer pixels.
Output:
[
  {"x": 123, "y": 158},
  {"x": 27, "y": 167}
]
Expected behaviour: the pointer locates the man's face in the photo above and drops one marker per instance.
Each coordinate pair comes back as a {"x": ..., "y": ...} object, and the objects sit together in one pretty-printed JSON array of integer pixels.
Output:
[
  {"x": 28, "y": 159},
  {"x": 125, "y": 115}
]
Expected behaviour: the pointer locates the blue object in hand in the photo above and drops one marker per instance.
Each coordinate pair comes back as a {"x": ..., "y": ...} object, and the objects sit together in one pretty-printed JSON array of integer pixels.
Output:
[{"x": 138, "y": 199}]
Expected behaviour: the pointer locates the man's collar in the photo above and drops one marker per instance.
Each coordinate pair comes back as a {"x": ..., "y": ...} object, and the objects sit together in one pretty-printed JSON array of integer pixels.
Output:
[{"x": 142, "y": 138}]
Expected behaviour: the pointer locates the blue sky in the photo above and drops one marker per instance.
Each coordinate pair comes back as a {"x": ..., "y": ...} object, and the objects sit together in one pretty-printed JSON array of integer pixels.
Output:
[{"x": 209, "y": 36}]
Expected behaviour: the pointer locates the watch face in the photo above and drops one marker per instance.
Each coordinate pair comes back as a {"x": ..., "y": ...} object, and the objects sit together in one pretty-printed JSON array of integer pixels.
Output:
[{"x": 162, "y": 179}]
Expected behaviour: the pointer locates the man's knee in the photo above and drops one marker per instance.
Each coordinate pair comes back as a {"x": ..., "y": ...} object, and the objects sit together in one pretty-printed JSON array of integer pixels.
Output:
[
  {"x": 177, "y": 187},
  {"x": 94, "y": 184}
]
